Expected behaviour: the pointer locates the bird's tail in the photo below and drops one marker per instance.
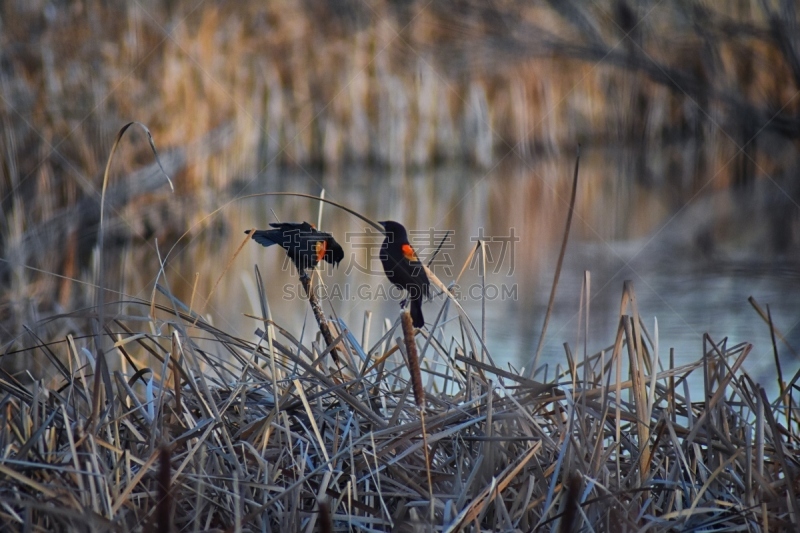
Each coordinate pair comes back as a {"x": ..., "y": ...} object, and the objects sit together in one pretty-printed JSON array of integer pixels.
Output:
[
  {"x": 416, "y": 313},
  {"x": 266, "y": 237}
]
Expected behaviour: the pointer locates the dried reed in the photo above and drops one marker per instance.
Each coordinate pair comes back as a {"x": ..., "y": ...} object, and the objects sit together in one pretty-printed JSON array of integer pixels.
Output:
[{"x": 620, "y": 447}]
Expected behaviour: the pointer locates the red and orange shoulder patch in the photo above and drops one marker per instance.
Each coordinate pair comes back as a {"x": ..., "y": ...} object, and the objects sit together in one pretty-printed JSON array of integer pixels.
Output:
[
  {"x": 408, "y": 252},
  {"x": 321, "y": 247}
]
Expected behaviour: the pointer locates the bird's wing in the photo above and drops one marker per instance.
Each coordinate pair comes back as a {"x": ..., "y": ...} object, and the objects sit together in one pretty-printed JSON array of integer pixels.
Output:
[
  {"x": 301, "y": 226},
  {"x": 267, "y": 237}
]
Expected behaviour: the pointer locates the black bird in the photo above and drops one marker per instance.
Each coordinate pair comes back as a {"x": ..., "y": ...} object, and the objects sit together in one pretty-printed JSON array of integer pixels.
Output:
[
  {"x": 404, "y": 269},
  {"x": 304, "y": 244}
]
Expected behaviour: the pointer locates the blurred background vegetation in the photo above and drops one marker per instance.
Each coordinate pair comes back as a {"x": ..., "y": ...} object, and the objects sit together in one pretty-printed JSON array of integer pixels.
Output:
[{"x": 675, "y": 101}]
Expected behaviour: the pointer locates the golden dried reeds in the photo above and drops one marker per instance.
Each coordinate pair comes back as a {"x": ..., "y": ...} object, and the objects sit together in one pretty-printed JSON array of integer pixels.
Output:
[{"x": 610, "y": 442}]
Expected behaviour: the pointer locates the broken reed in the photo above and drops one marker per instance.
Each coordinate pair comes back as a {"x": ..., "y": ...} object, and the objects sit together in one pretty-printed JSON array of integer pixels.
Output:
[
  {"x": 319, "y": 315},
  {"x": 505, "y": 453}
]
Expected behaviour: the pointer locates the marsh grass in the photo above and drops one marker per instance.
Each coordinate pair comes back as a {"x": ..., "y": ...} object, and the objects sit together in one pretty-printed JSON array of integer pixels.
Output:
[{"x": 259, "y": 432}]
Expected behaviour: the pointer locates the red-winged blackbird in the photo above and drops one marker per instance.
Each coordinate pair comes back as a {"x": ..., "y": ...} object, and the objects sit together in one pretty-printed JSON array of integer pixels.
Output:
[
  {"x": 404, "y": 269},
  {"x": 304, "y": 244}
]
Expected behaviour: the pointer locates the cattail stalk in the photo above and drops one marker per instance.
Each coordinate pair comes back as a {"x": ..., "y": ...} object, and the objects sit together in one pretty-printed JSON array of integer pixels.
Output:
[
  {"x": 164, "y": 503},
  {"x": 413, "y": 359},
  {"x": 419, "y": 395},
  {"x": 325, "y": 523}
]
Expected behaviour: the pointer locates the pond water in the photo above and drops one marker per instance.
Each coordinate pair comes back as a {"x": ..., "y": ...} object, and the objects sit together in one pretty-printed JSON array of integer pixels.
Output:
[{"x": 694, "y": 256}]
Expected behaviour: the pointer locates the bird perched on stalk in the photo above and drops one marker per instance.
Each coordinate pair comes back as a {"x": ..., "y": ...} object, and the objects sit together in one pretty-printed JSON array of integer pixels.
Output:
[
  {"x": 404, "y": 269},
  {"x": 305, "y": 245}
]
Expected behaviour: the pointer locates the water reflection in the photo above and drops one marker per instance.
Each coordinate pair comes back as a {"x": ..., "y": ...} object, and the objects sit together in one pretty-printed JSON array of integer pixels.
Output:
[{"x": 690, "y": 268}]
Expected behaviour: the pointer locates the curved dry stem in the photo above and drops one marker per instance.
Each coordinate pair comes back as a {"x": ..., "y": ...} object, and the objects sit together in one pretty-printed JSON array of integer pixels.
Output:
[
  {"x": 557, "y": 274},
  {"x": 256, "y": 195}
]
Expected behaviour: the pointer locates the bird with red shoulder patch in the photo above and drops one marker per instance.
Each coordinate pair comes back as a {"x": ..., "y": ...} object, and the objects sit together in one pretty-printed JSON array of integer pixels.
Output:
[
  {"x": 404, "y": 269},
  {"x": 305, "y": 245}
]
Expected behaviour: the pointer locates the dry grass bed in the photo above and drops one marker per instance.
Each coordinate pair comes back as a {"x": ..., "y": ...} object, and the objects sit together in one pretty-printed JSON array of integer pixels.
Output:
[{"x": 182, "y": 427}]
